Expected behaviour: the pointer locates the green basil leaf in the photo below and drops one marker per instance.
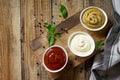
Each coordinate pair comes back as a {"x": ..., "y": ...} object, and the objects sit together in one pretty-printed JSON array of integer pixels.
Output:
[
  {"x": 58, "y": 35},
  {"x": 51, "y": 40},
  {"x": 99, "y": 44},
  {"x": 50, "y": 27},
  {"x": 52, "y": 33},
  {"x": 64, "y": 11}
]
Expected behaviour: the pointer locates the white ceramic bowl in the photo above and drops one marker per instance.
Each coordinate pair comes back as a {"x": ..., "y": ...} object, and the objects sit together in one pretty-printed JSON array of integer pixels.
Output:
[
  {"x": 54, "y": 71},
  {"x": 91, "y": 29},
  {"x": 78, "y": 53}
]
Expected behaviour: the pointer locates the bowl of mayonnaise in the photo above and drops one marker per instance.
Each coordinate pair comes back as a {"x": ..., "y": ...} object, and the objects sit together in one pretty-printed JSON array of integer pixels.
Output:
[{"x": 81, "y": 44}]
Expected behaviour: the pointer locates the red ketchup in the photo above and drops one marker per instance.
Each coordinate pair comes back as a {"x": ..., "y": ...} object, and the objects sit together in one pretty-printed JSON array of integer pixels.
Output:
[{"x": 55, "y": 58}]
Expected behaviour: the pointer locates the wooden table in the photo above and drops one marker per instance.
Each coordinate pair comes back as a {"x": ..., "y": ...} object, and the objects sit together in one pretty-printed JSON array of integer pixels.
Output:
[{"x": 19, "y": 21}]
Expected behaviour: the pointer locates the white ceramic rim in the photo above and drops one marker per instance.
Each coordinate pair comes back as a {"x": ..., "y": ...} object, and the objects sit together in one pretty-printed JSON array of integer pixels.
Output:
[
  {"x": 54, "y": 71},
  {"x": 81, "y": 54},
  {"x": 105, "y": 23}
]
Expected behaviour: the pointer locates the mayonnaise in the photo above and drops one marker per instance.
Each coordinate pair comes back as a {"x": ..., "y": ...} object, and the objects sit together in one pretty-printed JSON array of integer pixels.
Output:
[{"x": 81, "y": 43}]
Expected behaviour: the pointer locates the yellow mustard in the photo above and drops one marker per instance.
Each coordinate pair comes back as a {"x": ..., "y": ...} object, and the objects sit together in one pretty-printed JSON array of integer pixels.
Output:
[{"x": 93, "y": 18}]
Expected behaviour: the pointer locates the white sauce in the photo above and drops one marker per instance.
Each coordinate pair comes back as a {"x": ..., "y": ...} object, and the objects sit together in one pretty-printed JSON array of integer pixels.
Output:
[{"x": 80, "y": 43}]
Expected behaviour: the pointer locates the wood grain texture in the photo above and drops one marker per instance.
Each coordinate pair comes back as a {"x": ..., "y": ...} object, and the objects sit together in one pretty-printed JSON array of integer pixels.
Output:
[
  {"x": 21, "y": 21},
  {"x": 10, "y": 53},
  {"x": 34, "y": 14},
  {"x": 75, "y": 60},
  {"x": 43, "y": 14},
  {"x": 29, "y": 71}
]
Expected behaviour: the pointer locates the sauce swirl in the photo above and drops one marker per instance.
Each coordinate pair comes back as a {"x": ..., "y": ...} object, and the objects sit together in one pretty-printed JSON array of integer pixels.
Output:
[
  {"x": 93, "y": 18},
  {"x": 55, "y": 58},
  {"x": 80, "y": 43}
]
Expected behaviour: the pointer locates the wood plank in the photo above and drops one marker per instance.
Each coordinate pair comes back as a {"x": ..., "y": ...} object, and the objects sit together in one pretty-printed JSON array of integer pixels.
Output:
[
  {"x": 56, "y": 15},
  {"x": 29, "y": 71},
  {"x": 10, "y": 55},
  {"x": 79, "y": 72},
  {"x": 43, "y": 14},
  {"x": 107, "y": 6},
  {"x": 14, "y": 41},
  {"x": 4, "y": 66},
  {"x": 34, "y": 13}
]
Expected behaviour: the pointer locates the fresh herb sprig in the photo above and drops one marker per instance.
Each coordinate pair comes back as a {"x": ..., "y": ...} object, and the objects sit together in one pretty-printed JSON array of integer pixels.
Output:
[
  {"x": 52, "y": 33},
  {"x": 99, "y": 44},
  {"x": 63, "y": 11}
]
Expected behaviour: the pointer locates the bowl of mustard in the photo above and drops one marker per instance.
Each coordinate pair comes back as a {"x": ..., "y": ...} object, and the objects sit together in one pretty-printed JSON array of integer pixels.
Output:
[{"x": 93, "y": 18}]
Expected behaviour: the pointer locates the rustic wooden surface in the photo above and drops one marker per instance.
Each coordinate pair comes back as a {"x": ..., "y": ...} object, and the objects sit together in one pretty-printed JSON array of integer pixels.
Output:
[{"x": 19, "y": 21}]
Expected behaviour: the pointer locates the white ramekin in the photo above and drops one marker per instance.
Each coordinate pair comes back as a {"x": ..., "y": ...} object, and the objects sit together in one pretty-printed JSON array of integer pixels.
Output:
[
  {"x": 54, "y": 71},
  {"x": 80, "y": 54},
  {"x": 97, "y": 29}
]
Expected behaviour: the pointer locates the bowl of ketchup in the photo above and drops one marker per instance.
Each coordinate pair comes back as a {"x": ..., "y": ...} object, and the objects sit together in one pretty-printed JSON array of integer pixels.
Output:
[{"x": 55, "y": 58}]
